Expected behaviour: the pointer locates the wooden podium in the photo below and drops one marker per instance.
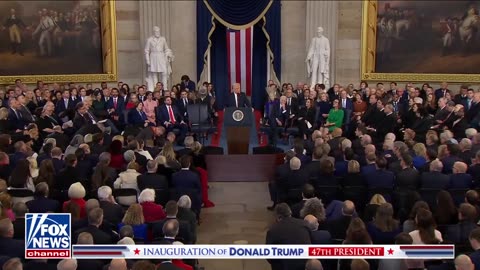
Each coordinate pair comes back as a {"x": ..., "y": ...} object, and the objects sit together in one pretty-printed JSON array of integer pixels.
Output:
[{"x": 238, "y": 122}]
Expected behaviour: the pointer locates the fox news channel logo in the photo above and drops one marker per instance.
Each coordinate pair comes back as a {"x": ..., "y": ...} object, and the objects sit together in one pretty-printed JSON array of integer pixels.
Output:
[{"x": 47, "y": 236}]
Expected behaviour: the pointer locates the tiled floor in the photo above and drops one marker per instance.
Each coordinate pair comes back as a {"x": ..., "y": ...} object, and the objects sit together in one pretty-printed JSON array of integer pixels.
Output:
[{"x": 239, "y": 214}]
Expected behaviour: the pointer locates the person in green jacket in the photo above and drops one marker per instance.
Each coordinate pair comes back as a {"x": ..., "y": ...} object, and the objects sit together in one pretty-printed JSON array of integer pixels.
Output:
[{"x": 335, "y": 117}]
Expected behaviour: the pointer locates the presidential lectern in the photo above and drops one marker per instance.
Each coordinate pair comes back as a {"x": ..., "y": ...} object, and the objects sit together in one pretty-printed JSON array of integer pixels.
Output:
[{"x": 238, "y": 122}]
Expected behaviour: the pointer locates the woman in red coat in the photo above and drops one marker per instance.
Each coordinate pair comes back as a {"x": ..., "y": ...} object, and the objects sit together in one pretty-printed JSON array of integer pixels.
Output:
[
  {"x": 76, "y": 193},
  {"x": 151, "y": 210}
]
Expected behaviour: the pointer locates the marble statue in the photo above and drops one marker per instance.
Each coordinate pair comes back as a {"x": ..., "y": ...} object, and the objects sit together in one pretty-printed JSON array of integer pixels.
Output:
[
  {"x": 318, "y": 60},
  {"x": 158, "y": 58}
]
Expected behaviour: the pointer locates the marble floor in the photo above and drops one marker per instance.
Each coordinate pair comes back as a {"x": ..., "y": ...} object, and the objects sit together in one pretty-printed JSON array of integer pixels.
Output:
[{"x": 239, "y": 216}]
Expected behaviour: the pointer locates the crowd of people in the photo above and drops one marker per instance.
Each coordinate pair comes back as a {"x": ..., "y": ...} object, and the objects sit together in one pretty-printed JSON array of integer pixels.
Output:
[
  {"x": 377, "y": 166},
  {"x": 402, "y": 168}
]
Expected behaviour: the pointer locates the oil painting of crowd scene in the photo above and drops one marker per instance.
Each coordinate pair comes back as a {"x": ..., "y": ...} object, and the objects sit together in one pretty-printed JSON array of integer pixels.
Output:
[
  {"x": 428, "y": 37},
  {"x": 50, "y": 37}
]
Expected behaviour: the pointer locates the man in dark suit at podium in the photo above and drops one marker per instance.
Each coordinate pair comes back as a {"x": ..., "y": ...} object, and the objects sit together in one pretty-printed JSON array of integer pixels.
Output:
[
  {"x": 238, "y": 99},
  {"x": 169, "y": 116}
]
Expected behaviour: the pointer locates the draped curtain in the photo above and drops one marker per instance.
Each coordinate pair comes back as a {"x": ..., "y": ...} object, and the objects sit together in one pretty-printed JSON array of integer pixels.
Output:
[{"x": 213, "y": 19}]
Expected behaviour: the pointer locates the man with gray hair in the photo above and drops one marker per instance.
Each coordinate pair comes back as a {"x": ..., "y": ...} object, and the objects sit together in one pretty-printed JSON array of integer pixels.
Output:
[
  {"x": 466, "y": 153},
  {"x": 67, "y": 264},
  {"x": 189, "y": 143},
  {"x": 151, "y": 179},
  {"x": 474, "y": 169},
  {"x": 129, "y": 156},
  {"x": 281, "y": 172},
  {"x": 8, "y": 246},
  {"x": 295, "y": 179},
  {"x": 19, "y": 209},
  {"x": 186, "y": 214},
  {"x": 435, "y": 179},
  {"x": 112, "y": 212},
  {"x": 319, "y": 237}
]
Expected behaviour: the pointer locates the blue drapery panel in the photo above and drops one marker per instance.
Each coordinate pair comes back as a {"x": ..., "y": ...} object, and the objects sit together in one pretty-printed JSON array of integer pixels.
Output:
[
  {"x": 238, "y": 14},
  {"x": 259, "y": 67},
  {"x": 219, "y": 66},
  {"x": 267, "y": 31},
  {"x": 204, "y": 26},
  {"x": 273, "y": 26}
]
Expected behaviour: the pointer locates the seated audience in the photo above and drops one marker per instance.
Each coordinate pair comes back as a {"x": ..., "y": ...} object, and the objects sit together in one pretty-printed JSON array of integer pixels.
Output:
[
  {"x": 459, "y": 178},
  {"x": 9, "y": 246},
  {"x": 185, "y": 231},
  {"x": 128, "y": 178},
  {"x": 338, "y": 226},
  {"x": 112, "y": 212},
  {"x": 95, "y": 220},
  {"x": 370, "y": 210},
  {"x": 425, "y": 234},
  {"x": 410, "y": 224},
  {"x": 186, "y": 214},
  {"x": 19, "y": 209},
  {"x": 467, "y": 222},
  {"x": 152, "y": 179},
  {"x": 435, "y": 179},
  {"x": 318, "y": 237},
  {"x": 76, "y": 193},
  {"x": 308, "y": 192},
  {"x": 445, "y": 210}
]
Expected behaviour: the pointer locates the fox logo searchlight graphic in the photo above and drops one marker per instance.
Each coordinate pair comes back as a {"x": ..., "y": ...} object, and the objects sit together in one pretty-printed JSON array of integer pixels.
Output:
[{"x": 47, "y": 236}]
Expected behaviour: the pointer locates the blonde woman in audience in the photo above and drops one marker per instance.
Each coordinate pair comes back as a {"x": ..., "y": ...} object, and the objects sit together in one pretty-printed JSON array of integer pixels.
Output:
[
  {"x": 371, "y": 208},
  {"x": 170, "y": 155},
  {"x": 34, "y": 171},
  {"x": 6, "y": 207},
  {"x": 442, "y": 151},
  {"x": 420, "y": 158},
  {"x": 134, "y": 217}
]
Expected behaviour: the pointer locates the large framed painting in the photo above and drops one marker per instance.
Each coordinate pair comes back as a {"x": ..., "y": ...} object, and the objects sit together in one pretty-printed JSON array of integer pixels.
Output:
[
  {"x": 58, "y": 41},
  {"x": 421, "y": 41}
]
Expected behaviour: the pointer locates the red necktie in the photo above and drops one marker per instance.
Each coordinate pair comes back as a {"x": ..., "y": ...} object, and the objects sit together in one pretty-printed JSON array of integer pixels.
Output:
[
  {"x": 115, "y": 103},
  {"x": 170, "y": 113}
]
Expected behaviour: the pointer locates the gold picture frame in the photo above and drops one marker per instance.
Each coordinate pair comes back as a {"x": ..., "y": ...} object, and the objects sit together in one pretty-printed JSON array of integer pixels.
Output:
[
  {"x": 368, "y": 54},
  {"x": 109, "y": 54}
]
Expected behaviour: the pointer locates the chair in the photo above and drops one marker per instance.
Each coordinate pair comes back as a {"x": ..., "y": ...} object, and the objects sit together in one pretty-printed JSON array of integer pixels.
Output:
[
  {"x": 357, "y": 194},
  {"x": 200, "y": 121},
  {"x": 162, "y": 196},
  {"x": 20, "y": 195},
  {"x": 458, "y": 195},
  {"x": 326, "y": 193},
  {"x": 429, "y": 195},
  {"x": 125, "y": 196}
]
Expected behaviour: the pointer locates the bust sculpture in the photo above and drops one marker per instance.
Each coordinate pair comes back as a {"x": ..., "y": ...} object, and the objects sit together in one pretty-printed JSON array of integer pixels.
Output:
[
  {"x": 158, "y": 58},
  {"x": 318, "y": 60}
]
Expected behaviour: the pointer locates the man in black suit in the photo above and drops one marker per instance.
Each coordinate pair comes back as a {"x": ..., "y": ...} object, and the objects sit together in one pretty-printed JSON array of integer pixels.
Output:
[
  {"x": 151, "y": 179},
  {"x": 452, "y": 156},
  {"x": 112, "y": 212},
  {"x": 170, "y": 117},
  {"x": 68, "y": 175},
  {"x": 313, "y": 167},
  {"x": 238, "y": 99},
  {"x": 85, "y": 238},
  {"x": 467, "y": 222},
  {"x": 474, "y": 169},
  {"x": 281, "y": 173},
  {"x": 182, "y": 104},
  {"x": 19, "y": 209},
  {"x": 116, "y": 106},
  {"x": 308, "y": 192},
  {"x": 83, "y": 121},
  {"x": 187, "y": 182},
  {"x": 41, "y": 203},
  {"x": 15, "y": 116},
  {"x": 338, "y": 227},
  {"x": 188, "y": 146},
  {"x": 184, "y": 231},
  {"x": 408, "y": 176},
  {"x": 442, "y": 112},
  {"x": 387, "y": 124},
  {"x": 65, "y": 103},
  {"x": 295, "y": 179},
  {"x": 435, "y": 179},
  {"x": 442, "y": 91},
  {"x": 474, "y": 110},
  {"x": 287, "y": 231},
  {"x": 319, "y": 237},
  {"x": 9, "y": 246},
  {"x": 187, "y": 84},
  {"x": 95, "y": 219},
  {"x": 292, "y": 104}
]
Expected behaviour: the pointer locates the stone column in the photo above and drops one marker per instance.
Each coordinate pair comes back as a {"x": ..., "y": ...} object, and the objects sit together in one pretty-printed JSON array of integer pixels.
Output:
[
  {"x": 324, "y": 14},
  {"x": 154, "y": 13}
]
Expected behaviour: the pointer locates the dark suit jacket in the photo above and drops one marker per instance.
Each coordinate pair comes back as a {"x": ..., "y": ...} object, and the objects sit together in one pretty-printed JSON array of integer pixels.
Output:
[
  {"x": 294, "y": 179},
  {"x": 460, "y": 181},
  {"x": 35, "y": 265},
  {"x": 12, "y": 247},
  {"x": 380, "y": 179},
  {"x": 459, "y": 128},
  {"x": 241, "y": 98},
  {"x": 99, "y": 237},
  {"x": 312, "y": 168},
  {"x": 162, "y": 115},
  {"x": 338, "y": 227},
  {"x": 136, "y": 118},
  {"x": 112, "y": 213},
  {"x": 288, "y": 231},
  {"x": 65, "y": 178},
  {"x": 184, "y": 231},
  {"x": 434, "y": 180},
  {"x": 439, "y": 93},
  {"x": 296, "y": 208},
  {"x": 19, "y": 229},
  {"x": 321, "y": 237},
  {"x": 84, "y": 125},
  {"x": 182, "y": 107},
  {"x": 43, "y": 205},
  {"x": 293, "y": 108},
  {"x": 448, "y": 163},
  {"x": 90, "y": 264},
  {"x": 188, "y": 183},
  {"x": 60, "y": 106},
  {"x": 407, "y": 178},
  {"x": 58, "y": 164},
  {"x": 190, "y": 85},
  {"x": 441, "y": 114},
  {"x": 277, "y": 113},
  {"x": 459, "y": 233},
  {"x": 387, "y": 125},
  {"x": 473, "y": 112},
  {"x": 120, "y": 105},
  {"x": 17, "y": 122},
  {"x": 152, "y": 180}
]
